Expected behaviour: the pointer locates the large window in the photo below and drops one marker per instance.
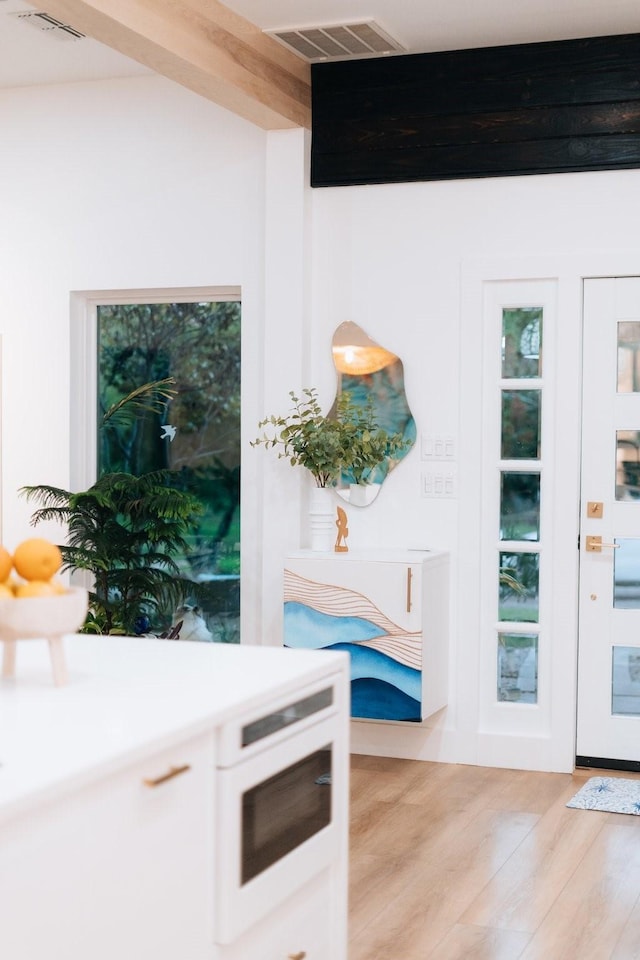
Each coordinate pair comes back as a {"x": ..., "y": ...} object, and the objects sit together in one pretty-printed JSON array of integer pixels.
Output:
[{"x": 196, "y": 435}]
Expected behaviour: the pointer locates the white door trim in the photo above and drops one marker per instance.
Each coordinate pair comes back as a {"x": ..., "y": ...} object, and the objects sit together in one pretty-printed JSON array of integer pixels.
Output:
[{"x": 552, "y": 748}]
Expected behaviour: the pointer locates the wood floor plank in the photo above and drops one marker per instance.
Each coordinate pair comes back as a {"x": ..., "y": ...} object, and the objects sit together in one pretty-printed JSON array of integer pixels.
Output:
[
  {"x": 589, "y": 917},
  {"x": 371, "y": 879},
  {"x": 524, "y": 889},
  {"x": 482, "y": 943},
  {"x": 628, "y": 946},
  {"x": 380, "y": 781},
  {"x": 398, "y": 830},
  {"x": 411, "y": 913},
  {"x": 452, "y": 862}
]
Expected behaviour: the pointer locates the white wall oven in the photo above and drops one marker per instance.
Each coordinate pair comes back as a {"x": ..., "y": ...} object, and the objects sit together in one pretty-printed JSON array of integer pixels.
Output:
[{"x": 277, "y": 823}]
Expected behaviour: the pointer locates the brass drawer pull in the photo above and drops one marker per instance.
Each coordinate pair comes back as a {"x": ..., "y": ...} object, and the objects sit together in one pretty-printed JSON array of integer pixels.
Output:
[
  {"x": 169, "y": 775},
  {"x": 298, "y": 956},
  {"x": 409, "y": 578}
]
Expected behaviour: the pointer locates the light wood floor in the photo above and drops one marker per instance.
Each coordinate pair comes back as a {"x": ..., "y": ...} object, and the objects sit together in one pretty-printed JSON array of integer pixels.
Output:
[{"x": 456, "y": 862}]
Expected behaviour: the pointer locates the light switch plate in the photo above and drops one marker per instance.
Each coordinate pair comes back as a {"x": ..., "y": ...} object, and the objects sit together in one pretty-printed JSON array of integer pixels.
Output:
[
  {"x": 437, "y": 447},
  {"x": 439, "y": 484}
]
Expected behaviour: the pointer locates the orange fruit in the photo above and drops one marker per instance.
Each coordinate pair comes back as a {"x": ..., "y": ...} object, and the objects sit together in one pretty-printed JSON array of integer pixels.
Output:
[
  {"x": 37, "y": 559},
  {"x": 6, "y": 564},
  {"x": 36, "y": 588},
  {"x": 5, "y": 592}
]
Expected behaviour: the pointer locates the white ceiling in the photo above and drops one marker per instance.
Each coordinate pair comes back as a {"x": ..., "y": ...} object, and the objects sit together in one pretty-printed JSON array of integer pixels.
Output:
[
  {"x": 28, "y": 56},
  {"x": 423, "y": 26}
]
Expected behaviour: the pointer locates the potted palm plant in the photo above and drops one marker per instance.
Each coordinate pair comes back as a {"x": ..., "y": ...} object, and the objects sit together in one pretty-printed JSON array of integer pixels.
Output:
[{"x": 124, "y": 531}]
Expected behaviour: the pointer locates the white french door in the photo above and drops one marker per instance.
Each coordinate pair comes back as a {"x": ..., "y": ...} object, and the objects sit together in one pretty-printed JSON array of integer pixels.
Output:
[{"x": 608, "y": 721}]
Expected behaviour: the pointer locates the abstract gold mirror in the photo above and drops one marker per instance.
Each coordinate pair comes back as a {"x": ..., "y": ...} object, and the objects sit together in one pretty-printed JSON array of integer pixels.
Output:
[{"x": 370, "y": 374}]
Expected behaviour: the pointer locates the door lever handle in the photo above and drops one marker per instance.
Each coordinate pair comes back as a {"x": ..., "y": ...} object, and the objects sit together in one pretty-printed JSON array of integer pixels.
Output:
[{"x": 595, "y": 545}]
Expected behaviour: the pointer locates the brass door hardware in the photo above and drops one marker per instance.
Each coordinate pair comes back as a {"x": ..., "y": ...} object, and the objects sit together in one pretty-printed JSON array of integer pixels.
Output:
[
  {"x": 595, "y": 509},
  {"x": 409, "y": 578},
  {"x": 595, "y": 545}
]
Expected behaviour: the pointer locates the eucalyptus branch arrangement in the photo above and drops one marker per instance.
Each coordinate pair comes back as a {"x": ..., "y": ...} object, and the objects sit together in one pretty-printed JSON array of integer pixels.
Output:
[
  {"x": 369, "y": 444},
  {"x": 125, "y": 532},
  {"x": 347, "y": 443},
  {"x": 307, "y": 438}
]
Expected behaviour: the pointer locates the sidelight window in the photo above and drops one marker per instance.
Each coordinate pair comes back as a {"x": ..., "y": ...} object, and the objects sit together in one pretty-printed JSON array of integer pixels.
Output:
[{"x": 520, "y": 493}]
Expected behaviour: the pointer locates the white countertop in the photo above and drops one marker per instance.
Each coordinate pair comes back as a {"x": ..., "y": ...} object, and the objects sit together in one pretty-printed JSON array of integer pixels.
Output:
[{"x": 124, "y": 695}]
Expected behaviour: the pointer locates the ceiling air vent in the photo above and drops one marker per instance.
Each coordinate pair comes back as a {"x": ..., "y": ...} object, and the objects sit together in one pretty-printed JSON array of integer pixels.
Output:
[
  {"x": 343, "y": 41},
  {"x": 45, "y": 23}
]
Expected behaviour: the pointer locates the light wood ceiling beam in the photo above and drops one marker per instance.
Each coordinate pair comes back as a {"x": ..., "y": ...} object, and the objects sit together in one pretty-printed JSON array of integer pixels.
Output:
[{"x": 204, "y": 46}]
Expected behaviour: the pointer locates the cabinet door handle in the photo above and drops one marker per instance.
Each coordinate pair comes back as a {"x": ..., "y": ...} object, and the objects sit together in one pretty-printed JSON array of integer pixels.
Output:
[
  {"x": 409, "y": 579},
  {"x": 298, "y": 956},
  {"x": 169, "y": 775}
]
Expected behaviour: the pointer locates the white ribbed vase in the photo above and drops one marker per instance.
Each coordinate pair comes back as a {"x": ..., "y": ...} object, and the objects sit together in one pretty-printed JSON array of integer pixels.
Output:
[{"x": 322, "y": 519}]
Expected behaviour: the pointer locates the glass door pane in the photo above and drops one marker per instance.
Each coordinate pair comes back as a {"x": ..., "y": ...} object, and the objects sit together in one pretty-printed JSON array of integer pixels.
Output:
[
  {"x": 520, "y": 506},
  {"x": 628, "y": 356},
  {"x": 626, "y": 573},
  {"x": 625, "y": 686},
  {"x": 518, "y": 667}
]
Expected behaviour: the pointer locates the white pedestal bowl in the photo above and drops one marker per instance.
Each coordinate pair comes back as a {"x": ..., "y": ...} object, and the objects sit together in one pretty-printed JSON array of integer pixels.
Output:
[{"x": 48, "y": 618}]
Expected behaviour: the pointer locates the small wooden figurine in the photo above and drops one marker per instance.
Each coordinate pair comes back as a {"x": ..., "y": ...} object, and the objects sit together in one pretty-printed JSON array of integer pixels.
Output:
[{"x": 343, "y": 532}]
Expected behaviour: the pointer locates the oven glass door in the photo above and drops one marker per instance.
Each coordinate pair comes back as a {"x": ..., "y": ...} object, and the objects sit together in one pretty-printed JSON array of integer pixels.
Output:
[{"x": 283, "y": 811}]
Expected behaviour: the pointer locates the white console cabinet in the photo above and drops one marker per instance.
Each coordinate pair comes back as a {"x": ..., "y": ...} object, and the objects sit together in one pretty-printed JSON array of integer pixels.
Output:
[
  {"x": 110, "y": 804},
  {"x": 389, "y": 610}
]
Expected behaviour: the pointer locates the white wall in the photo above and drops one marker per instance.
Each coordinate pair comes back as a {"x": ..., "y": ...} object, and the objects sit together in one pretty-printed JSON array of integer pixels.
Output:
[
  {"x": 112, "y": 185},
  {"x": 408, "y": 263}
]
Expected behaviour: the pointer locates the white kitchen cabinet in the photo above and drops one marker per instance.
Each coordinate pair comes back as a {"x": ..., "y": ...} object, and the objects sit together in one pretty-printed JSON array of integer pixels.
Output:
[
  {"x": 117, "y": 868},
  {"x": 109, "y": 813},
  {"x": 304, "y": 928},
  {"x": 389, "y": 610}
]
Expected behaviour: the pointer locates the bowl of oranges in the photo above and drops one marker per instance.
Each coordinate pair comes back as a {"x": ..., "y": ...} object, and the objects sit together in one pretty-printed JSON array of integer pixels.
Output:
[{"x": 34, "y": 604}]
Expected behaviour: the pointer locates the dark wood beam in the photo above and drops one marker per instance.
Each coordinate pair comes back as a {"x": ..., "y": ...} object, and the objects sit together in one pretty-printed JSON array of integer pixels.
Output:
[{"x": 556, "y": 107}]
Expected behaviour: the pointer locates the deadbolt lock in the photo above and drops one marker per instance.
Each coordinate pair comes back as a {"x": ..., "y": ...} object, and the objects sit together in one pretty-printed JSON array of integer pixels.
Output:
[{"x": 595, "y": 509}]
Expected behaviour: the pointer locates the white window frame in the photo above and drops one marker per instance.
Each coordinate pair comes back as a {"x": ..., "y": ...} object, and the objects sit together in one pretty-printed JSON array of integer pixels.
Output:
[
  {"x": 84, "y": 374},
  {"x": 502, "y": 716}
]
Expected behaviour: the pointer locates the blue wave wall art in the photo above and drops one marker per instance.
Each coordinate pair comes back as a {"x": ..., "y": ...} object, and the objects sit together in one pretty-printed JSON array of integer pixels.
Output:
[{"x": 382, "y": 688}]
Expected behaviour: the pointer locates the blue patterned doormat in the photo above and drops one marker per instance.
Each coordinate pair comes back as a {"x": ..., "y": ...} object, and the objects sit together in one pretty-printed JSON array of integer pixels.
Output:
[{"x": 610, "y": 794}]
